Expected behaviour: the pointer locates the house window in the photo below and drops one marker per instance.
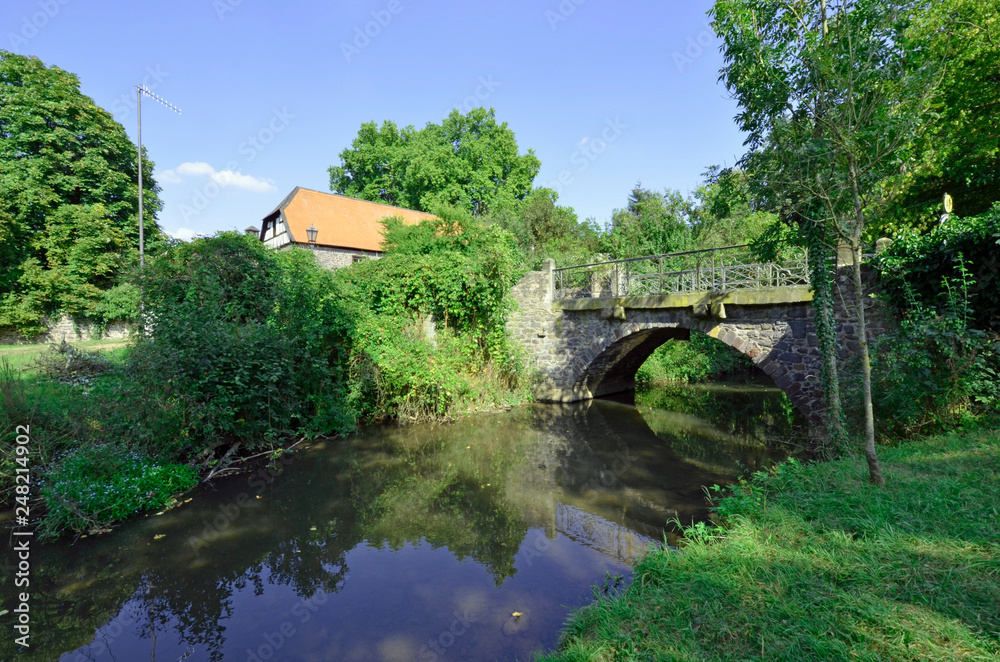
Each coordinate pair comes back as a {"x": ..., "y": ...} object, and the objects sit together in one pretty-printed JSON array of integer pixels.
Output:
[{"x": 358, "y": 258}]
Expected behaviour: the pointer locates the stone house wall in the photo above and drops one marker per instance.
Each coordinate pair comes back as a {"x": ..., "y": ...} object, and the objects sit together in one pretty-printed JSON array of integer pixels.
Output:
[{"x": 330, "y": 257}]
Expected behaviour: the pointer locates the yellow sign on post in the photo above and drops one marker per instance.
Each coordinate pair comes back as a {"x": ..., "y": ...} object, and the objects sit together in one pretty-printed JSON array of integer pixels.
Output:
[{"x": 948, "y": 204}]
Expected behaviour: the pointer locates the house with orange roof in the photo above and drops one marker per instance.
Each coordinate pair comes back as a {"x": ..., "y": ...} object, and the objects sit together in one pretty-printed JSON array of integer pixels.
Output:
[{"x": 338, "y": 229}]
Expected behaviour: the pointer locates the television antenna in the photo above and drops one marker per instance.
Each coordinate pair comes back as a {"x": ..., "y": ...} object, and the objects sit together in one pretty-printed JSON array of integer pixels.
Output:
[{"x": 141, "y": 90}]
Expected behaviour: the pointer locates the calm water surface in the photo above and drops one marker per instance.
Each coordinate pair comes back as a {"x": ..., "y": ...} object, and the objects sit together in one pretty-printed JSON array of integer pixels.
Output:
[{"x": 413, "y": 543}]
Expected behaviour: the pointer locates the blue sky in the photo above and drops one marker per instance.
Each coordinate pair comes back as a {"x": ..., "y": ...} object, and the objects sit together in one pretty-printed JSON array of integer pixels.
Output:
[{"x": 606, "y": 94}]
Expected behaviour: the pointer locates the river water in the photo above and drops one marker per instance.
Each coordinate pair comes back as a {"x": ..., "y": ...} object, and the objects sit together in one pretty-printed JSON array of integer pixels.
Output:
[{"x": 414, "y": 543}]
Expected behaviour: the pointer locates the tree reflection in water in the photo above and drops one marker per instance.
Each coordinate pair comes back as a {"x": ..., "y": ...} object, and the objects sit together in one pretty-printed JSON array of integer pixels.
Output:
[{"x": 595, "y": 480}]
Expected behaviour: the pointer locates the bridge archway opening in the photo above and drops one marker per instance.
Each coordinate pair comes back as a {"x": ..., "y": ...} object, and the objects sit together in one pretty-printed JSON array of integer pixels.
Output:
[
  {"x": 613, "y": 369},
  {"x": 699, "y": 357}
]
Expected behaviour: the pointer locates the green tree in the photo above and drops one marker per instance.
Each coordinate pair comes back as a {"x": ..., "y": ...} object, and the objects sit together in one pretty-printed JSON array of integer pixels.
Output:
[
  {"x": 68, "y": 196},
  {"x": 723, "y": 211},
  {"x": 830, "y": 98},
  {"x": 650, "y": 224},
  {"x": 545, "y": 229},
  {"x": 957, "y": 150},
  {"x": 468, "y": 161}
]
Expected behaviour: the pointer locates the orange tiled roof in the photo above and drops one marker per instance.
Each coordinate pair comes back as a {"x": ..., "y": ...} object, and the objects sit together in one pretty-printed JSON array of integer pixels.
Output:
[{"x": 340, "y": 221}]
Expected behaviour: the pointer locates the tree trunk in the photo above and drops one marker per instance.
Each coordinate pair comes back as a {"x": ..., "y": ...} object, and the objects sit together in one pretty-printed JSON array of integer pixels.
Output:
[
  {"x": 874, "y": 468},
  {"x": 835, "y": 409},
  {"x": 822, "y": 283}
]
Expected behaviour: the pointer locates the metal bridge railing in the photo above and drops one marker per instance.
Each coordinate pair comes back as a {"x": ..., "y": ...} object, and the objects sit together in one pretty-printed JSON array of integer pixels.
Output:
[{"x": 707, "y": 270}]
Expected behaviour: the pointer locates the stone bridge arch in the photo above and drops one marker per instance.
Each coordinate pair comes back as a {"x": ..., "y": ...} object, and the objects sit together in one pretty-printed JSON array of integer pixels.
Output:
[{"x": 586, "y": 348}]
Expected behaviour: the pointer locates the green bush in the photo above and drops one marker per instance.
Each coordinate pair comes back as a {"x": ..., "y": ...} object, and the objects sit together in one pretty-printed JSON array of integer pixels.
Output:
[
  {"x": 97, "y": 485},
  {"x": 921, "y": 264},
  {"x": 241, "y": 345},
  {"x": 456, "y": 274},
  {"x": 398, "y": 374},
  {"x": 453, "y": 268},
  {"x": 121, "y": 302}
]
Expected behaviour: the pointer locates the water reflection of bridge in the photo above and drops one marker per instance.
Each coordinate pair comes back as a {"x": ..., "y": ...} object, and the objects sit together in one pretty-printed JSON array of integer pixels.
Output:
[
  {"x": 598, "y": 474},
  {"x": 612, "y": 539}
]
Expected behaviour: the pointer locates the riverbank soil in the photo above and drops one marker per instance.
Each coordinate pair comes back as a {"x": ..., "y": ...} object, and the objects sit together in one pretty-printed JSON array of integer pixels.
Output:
[{"x": 812, "y": 562}]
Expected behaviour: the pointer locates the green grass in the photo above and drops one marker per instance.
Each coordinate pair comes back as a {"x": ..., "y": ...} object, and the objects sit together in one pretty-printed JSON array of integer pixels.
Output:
[
  {"x": 814, "y": 563},
  {"x": 22, "y": 357}
]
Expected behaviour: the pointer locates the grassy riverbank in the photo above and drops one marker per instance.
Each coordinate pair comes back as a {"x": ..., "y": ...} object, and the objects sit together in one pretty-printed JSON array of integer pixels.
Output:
[{"x": 814, "y": 563}]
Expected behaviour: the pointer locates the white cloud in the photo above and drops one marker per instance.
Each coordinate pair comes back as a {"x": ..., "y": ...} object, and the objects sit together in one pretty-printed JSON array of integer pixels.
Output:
[
  {"x": 195, "y": 168},
  {"x": 184, "y": 234},
  {"x": 239, "y": 180},
  {"x": 169, "y": 176},
  {"x": 223, "y": 178}
]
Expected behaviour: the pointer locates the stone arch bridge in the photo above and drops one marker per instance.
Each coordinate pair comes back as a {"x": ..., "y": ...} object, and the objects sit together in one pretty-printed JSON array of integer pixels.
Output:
[{"x": 587, "y": 329}]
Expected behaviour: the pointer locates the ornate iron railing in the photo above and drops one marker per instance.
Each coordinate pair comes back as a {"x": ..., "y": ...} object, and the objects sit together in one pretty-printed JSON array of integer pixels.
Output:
[{"x": 708, "y": 270}]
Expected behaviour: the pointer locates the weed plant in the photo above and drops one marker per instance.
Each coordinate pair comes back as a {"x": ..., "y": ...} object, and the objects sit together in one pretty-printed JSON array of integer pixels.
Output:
[{"x": 934, "y": 371}]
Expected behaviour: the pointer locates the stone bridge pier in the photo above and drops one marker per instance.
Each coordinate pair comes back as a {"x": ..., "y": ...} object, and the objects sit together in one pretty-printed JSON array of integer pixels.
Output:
[{"x": 588, "y": 347}]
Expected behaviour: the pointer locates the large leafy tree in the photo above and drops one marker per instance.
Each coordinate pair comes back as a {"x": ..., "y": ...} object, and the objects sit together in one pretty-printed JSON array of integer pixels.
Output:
[
  {"x": 830, "y": 97},
  {"x": 545, "y": 229},
  {"x": 468, "y": 161},
  {"x": 68, "y": 196},
  {"x": 724, "y": 211},
  {"x": 957, "y": 150}
]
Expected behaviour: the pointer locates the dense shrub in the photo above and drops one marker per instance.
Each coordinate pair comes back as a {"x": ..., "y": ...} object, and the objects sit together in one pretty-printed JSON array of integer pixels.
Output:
[
  {"x": 240, "y": 344},
  {"x": 398, "y": 374},
  {"x": 453, "y": 275},
  {"x": 454, "y": 269},
  {"x": 934, "y": 371}
]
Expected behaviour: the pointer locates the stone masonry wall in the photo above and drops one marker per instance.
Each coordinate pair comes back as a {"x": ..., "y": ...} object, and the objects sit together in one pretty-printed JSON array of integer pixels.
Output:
[
  {"x": 66, "y": 329},
  {"x": 336, "y": 258}
]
